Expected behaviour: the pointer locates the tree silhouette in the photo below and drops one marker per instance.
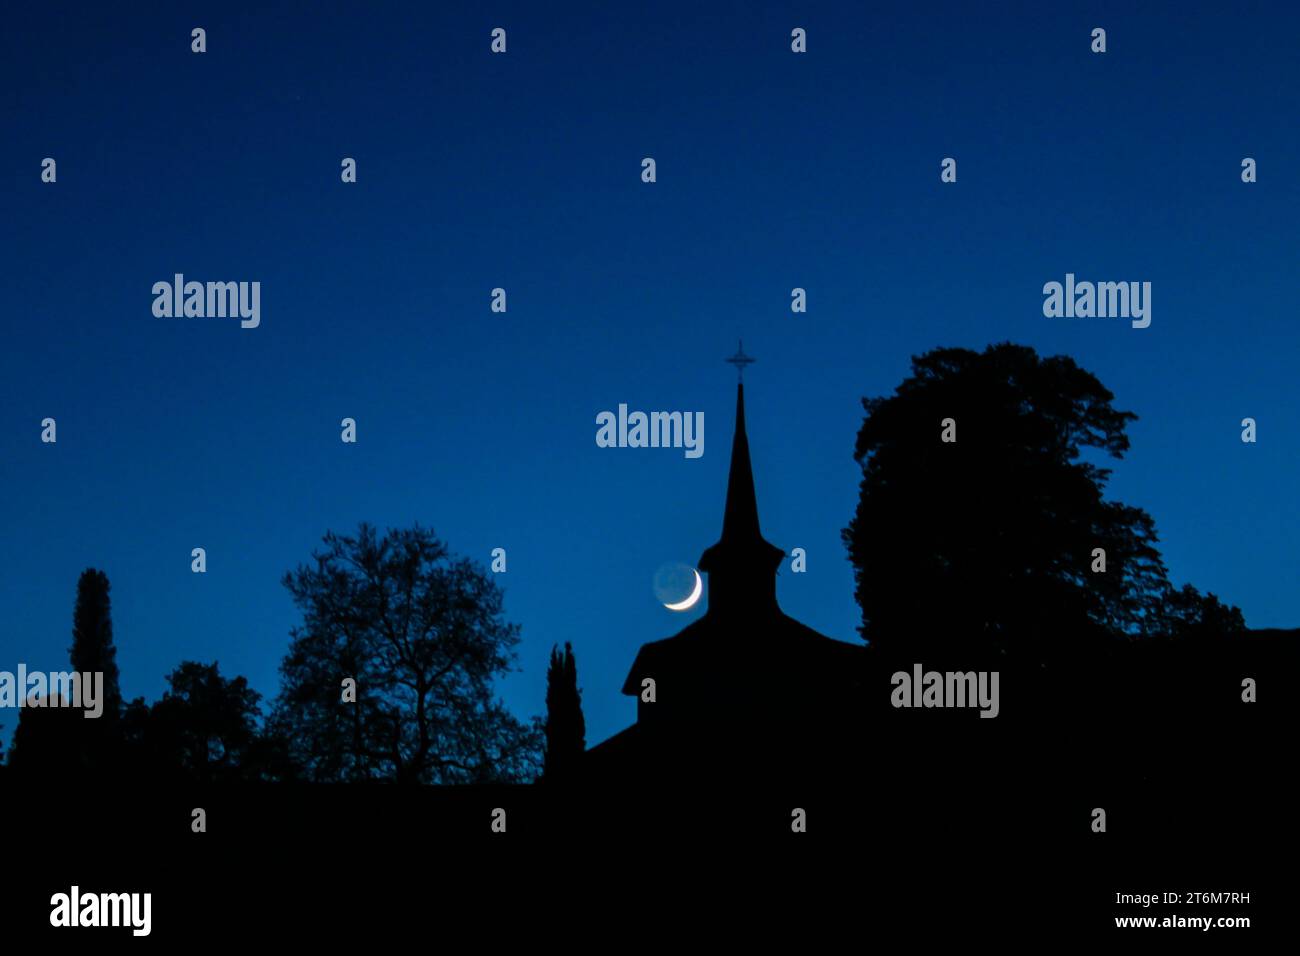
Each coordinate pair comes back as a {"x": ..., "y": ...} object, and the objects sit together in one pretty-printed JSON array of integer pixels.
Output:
[
  {"x": 93, "y": 651},
  {"x": 92, "y": 637},
  {"x": 204, "y": 729},
  {"x": 566, "y": 729},
  {"x": 989, "y": 542},
  {"x": 59, "y": 740},
  {"x": 1200, "y": 618},
  {"x": 46, "y": 741},
  {"x": 422, "y": 635}
]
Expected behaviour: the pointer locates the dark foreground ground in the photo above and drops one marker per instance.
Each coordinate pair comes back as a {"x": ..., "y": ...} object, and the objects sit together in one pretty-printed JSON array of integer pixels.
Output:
[
  {"x": 921, "y": 827},
  {"x": 967, "y": 861}
]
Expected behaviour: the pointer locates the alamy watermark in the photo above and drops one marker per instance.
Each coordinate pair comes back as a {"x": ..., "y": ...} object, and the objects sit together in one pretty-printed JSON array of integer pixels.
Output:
[
  {"x": 75, "y": 908},
  {"x": 210, "y": 300},
  {"x": 653, "y": 430},
  {"x": 54, "y": 689},
  {"x": 946, "y": 689},
  {"x": 1103, "y": 300}
]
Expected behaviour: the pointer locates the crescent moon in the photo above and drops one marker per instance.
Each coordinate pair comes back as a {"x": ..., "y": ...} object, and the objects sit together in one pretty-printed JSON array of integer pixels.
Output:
[{"x": 689, "y": 603}]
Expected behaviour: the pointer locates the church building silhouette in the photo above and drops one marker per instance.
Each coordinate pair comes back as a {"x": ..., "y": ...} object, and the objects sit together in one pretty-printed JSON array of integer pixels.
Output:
[{"x": 746, "y": 689}]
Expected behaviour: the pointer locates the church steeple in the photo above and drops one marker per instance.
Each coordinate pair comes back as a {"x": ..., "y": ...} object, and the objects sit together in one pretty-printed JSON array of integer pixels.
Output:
[
  {"x": 740, "y": 519},
  {"x": 742, "y": 565}
]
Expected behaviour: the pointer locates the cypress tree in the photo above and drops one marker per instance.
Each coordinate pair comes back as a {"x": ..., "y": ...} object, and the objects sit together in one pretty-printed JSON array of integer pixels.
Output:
[
  {"x": 566, "y": 729},
  {"x": 92, "y": 637},
  {"x": 95, "y": 741}
]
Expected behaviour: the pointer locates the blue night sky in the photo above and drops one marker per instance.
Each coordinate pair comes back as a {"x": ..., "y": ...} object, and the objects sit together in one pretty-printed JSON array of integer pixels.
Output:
[{"x": 775, "y": 170}]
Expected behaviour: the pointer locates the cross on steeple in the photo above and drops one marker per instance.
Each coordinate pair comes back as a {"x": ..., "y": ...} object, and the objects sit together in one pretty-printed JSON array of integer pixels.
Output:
[{"x": 740, "y": 360}]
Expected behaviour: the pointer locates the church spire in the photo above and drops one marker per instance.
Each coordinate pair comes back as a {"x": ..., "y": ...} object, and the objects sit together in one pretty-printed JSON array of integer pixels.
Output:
[
  {"x": 742, "y": 565},
  {"x": 740, "y": 519}
]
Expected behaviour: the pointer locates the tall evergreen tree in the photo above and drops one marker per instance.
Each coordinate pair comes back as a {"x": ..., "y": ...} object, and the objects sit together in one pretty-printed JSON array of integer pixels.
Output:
[
  {"x": 93, "y": 744},
  {"x": 566, "y": 729},
  {"x": 60, "y": 740},
  {"x": 92, "y": 638}
]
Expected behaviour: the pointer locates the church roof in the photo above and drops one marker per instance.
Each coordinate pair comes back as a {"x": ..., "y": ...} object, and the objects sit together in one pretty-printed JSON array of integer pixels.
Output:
[{"x": 772, "y": 644}]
